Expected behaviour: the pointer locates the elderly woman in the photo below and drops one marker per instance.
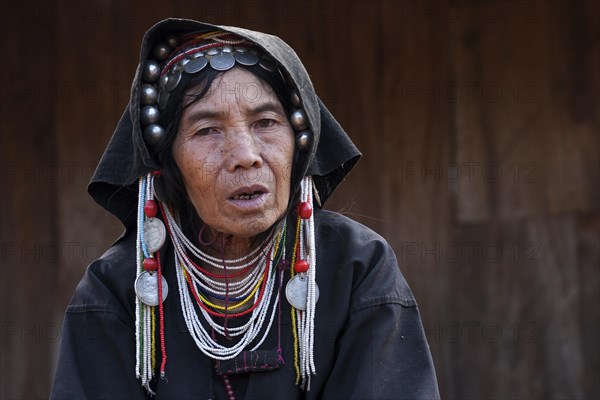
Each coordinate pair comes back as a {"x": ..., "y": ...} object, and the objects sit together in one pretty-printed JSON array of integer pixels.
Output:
[{"x": 230, "y": 280}]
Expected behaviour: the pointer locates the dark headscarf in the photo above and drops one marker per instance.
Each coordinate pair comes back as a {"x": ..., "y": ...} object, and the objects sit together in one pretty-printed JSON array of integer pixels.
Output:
[{"x": 329, "y": 158}]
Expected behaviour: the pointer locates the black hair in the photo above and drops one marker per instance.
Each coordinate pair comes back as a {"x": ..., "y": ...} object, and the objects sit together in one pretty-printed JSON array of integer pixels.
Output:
[{"x": 172, "y": 188}]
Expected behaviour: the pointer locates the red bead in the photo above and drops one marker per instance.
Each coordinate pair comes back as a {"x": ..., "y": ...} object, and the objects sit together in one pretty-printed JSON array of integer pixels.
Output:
[
  {"x": 305, "y": 210},
  {"x": 150, "y": 209},
  {"x": 150, "y": 264},
  {"x": 300, "y": 266}
]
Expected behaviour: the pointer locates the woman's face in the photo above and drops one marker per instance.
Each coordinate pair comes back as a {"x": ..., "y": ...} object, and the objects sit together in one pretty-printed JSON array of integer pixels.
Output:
[{"x": 234, "y": 149}]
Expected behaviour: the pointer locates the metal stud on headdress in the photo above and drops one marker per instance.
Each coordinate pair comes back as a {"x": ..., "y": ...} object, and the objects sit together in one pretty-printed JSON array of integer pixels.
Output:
[{"x": 191, "y": 53}]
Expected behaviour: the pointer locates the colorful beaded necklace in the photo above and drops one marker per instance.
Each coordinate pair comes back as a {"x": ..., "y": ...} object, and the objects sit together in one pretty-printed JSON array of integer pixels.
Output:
[{"x": 252, "y": 296}]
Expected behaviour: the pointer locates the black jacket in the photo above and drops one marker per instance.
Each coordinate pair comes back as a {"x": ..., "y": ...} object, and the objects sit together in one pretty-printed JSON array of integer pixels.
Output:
[{"x": 369, "y": 338}]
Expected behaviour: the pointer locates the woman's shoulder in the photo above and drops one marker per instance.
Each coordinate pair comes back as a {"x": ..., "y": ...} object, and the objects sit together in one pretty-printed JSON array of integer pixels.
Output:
[
  {"x": 341, "y": 226},
  {"x": 107, "y": 284},
  {"x": 350, "y": 249}
]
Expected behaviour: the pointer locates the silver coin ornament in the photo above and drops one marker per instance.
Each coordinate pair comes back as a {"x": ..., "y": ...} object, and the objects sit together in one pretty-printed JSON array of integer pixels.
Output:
[
  {"x": 296, "y": 99},
  {"x": 155, "y": 234},
  {"x": 195, "y": 65},
  {"x": 149, "y": 115},
  {"x": 299, "y": 120},
  {"x": 161, "y": 51},
  {"x": 162, "y": 81},
  {"x": 174, "y": 79},
  {"x": 151, "y": 71},
  {"x": 148, "y": 95},
  {"x": 172, "y": 40},
  {"x": 153, "y": 133},
  {"x": 146, "y": 288},
  {"x": 222, "y": 62},
  {"x": 267, "y": 64},
  {"x": 303, "y": 140},
  {"x": 296, "y": 292},
  {"x": 163, "y": 100},
  {"x": 246, "y": 58}
]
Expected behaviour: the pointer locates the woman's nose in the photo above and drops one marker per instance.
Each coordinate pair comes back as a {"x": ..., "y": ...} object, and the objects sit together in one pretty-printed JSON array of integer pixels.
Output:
[{"x": 243, "y": 151}]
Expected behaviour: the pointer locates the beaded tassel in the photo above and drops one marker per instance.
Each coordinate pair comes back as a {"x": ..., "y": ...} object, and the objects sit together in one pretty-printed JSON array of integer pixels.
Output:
[
  {"x": 306, "y": 257},
  {"x": 145, "y": 322}
]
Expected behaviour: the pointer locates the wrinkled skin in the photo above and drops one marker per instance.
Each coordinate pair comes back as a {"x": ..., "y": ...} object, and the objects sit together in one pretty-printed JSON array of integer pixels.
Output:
[{"x": 234, "y": 149}]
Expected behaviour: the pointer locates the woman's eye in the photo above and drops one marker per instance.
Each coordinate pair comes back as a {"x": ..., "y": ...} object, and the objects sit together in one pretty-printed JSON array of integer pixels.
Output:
[
  {"x": 206, "y": 131},
  {"x": 265, "y": 123}
]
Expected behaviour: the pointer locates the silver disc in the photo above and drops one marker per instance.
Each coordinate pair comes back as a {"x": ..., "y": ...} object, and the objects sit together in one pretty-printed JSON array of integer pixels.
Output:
[
  {"x": 196, "y": 65},
  {"x": 296, "y": 292},
  {"x": 222, "y": 62},
  {"x": 146, "y": 288},
  {"x": 163, "y": 80},
  {"x": 154, "y": 234},
  {"x": 267, "y": 64},
  {"x": 174, "y": 79},
  {"x": 246, "y": 58},
  {"x": 163, "y": 100}
]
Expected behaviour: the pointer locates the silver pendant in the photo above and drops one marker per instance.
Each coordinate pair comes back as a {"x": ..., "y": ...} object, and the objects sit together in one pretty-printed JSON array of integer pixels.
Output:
[
  {"x": 155, "y": 234},
  {"x": 174, "y": 79},
  {"x": 163, "y": 100},
  {"x": 296, "y": 292},
  {"x": 222, "y": 62},
  {"x": 246, "y": 58},
  {"x": 196, "y": 65},
  {"x": 146, "y": 288}
]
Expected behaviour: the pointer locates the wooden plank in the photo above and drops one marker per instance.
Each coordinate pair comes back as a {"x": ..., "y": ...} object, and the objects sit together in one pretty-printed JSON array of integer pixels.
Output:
[
  {"x": 30, "y": 250},
  {"x": 415, "y": 144}
]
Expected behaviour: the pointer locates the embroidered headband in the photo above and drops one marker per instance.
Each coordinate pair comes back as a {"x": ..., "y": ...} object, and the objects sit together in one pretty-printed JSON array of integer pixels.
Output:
[{"x": 190, "y": 54}]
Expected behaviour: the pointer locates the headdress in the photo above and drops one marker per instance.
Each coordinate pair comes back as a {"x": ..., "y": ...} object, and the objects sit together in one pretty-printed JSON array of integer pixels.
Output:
[
  {"x": 171, "y": 49},
  {"x": 189, "y": 54}
]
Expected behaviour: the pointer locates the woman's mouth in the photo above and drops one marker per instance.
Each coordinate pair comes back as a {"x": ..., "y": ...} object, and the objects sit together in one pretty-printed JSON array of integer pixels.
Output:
[{"x": 247, "y": 196}]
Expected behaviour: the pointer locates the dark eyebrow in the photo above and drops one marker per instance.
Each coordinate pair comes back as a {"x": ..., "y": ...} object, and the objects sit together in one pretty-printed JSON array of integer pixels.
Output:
[
  {"x": 200, "y": 114},
  {"x": 267, "y": 106}
]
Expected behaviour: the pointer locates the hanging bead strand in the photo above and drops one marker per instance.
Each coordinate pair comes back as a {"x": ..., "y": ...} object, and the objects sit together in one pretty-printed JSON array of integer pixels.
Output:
[
  {"x": 150, "y": 238},
  {"x": 302, "y": 291}
]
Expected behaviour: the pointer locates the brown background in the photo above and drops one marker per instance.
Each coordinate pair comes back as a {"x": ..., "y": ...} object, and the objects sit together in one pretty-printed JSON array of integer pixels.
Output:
[{"x": 479, "y": 124}]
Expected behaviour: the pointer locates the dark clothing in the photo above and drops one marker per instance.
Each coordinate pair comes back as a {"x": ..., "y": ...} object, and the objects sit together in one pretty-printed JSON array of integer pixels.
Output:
[{"x": 369, "y": 340}]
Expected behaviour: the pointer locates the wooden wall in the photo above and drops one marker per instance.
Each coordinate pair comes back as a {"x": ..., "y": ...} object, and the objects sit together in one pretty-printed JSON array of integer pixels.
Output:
[{"x": 479, "y": 124}]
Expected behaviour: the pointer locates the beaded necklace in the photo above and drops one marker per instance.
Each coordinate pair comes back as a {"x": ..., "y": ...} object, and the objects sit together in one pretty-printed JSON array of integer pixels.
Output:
[
  {"x": 253, "y": 296},
  {"x": 258, "y": 285}
]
